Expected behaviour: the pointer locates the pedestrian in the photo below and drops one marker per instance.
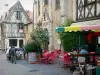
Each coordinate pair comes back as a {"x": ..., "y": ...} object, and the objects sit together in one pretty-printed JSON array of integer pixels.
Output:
[
  {"x": 23, "y": 50},
  {"x": 12, "y": 53}
]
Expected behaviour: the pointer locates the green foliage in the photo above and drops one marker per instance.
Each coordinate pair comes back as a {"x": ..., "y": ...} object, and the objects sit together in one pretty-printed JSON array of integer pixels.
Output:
[
  {"x": 68, "y": 39},
  {"x": 30, "y": 47},
  {"x": 40, "y": 35}
]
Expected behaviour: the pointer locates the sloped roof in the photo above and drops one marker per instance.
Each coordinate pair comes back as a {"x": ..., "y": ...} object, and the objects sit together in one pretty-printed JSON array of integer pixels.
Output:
[
  {"x": 14, "y": 8},
  {"x": 30, "y": 14}
]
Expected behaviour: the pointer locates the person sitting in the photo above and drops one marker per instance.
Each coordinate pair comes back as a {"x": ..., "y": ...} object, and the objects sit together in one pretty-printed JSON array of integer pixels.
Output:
[
  {"x": 83, "y": 51},
  {"x": 74, "y": 52}
]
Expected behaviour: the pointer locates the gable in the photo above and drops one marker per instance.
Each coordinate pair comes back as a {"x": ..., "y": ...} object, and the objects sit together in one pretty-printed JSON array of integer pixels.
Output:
[{"x": 14, "y": 8}]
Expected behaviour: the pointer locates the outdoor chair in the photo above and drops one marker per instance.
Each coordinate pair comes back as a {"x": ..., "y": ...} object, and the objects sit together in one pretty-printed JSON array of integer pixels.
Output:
[
  {"x": 52, "y": 57},
  {"x": 66, "y": 59},
  {"x": 44, "y": 59},
  {"x": 81, "y": 62},
  {"x": 58, "y": 52},
  {"x": 92, "y": 57},
  {"x": 83, "y": 67}
]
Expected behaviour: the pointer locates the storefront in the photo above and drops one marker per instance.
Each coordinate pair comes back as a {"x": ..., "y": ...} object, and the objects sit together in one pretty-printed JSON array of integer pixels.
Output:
[{"x": 87, "y": 33}]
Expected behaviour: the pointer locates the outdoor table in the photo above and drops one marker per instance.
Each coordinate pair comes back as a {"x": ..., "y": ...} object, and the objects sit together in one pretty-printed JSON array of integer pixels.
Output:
[
  {"x": 77, "y": 55},
  {"x": 94, "y": 63}
]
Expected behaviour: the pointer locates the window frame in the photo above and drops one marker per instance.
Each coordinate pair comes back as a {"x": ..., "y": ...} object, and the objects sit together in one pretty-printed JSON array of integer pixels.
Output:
[
  {"x": 38, "y": 8},
  {"x": 45, "y": 2},
  {"x": 57, "y": 4},
  {"x": 20, "y": 26},
  {"x": 84, "y": 7},
  {"x": 18, "y": 15}
]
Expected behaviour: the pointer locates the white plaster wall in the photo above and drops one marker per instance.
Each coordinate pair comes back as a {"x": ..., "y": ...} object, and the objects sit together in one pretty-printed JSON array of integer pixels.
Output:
[
  {"x": 23, "y": 18},
  {"x": 64, "y": 6},
  {"x": 14, "y": 28},
  {"x": 74, "y": 10},
  {"x": 92, "y": 22}
]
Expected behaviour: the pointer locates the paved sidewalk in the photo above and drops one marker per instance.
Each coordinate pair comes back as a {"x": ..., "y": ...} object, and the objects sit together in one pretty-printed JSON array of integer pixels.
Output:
[
  {"x": 24, "y": 68},
  {"x": 44, "y": 69},
  {"x": 7, "y": 68}
]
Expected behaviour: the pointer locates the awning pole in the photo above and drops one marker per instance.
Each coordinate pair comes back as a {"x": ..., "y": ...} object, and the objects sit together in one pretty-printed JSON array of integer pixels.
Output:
[{"x": 79, "y": 40}]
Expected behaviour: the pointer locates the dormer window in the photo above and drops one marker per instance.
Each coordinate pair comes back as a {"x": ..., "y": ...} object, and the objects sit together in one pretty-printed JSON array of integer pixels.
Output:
[{"x": 18, "y": 15}]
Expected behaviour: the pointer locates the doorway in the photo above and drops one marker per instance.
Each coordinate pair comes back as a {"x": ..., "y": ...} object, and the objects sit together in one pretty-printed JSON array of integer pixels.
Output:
[
  {"x": 20, "y": 43},
  {"x": 93, "y": 41}
]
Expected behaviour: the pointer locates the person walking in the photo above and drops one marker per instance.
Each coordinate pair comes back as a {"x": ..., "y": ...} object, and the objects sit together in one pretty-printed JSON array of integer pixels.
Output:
[
  {"x": 23, "y": 50},
  {"x": 12, "y": 53}
]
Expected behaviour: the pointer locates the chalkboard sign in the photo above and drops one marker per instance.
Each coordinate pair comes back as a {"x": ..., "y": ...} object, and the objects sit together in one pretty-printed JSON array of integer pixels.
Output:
[{"x": 32, "y": 57}]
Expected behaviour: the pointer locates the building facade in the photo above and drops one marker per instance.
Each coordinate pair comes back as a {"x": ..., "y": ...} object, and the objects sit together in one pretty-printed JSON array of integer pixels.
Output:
[
  {"x": 51, "y": 14},
  {"x": 47, "y": 15},
  {"x": 87, "y": 13},
  {"x": 28, "y": 28},
  {"x": 15, "y": 19}
]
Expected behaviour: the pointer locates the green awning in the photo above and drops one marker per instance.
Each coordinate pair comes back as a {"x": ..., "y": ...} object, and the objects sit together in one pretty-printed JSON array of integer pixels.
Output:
[{"x": 60, "y": 29}]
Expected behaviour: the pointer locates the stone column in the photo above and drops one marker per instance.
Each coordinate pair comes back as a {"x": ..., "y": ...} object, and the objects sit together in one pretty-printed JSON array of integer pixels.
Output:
[{"x": 64, "y": 6}]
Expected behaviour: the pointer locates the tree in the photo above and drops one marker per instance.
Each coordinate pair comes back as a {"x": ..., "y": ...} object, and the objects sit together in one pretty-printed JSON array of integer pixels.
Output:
[
  {"x": 68, "y": 39},
  {"x": 41, "y": 36}
]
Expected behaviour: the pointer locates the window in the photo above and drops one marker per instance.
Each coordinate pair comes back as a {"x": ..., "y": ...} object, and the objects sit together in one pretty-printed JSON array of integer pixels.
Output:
[
  {"x": 89, "y": 1},
  {"x": 87, "y": 10},
  {"x": 20, "y": 43},
  {"x": 45, "y": 2},
  {"x": 44, "y": 17},
  {"x": 38, "y": 8},
  {"x": 20, "y": 27},
  {"x": 57, "y": 4},
  {"x": 18, "y": 15},
  {"x": 12, "y": 42}
]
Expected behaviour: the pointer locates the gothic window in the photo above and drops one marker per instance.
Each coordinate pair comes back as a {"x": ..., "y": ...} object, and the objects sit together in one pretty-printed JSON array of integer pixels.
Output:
[
  {"x": 87, "y": 9},
  {"x": 44, "y": 16},
  {"x": 45, "y": 2},
  {"x": 18, "y": 15},
  {"x": 38, "y": 8},
  {"x": 57, "y": 4}
]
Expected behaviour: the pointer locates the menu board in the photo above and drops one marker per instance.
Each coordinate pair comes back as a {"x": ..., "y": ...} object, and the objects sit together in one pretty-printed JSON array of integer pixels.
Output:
[{"x": 32, "y": 57}]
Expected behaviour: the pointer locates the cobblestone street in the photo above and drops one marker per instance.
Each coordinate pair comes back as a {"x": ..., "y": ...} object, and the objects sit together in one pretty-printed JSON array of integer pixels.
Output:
[{"x": 24, "y": 68}]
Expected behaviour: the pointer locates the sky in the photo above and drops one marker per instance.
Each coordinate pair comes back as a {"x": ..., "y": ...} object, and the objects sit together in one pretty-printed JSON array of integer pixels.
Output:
[{"x": 27, "y": 4}]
